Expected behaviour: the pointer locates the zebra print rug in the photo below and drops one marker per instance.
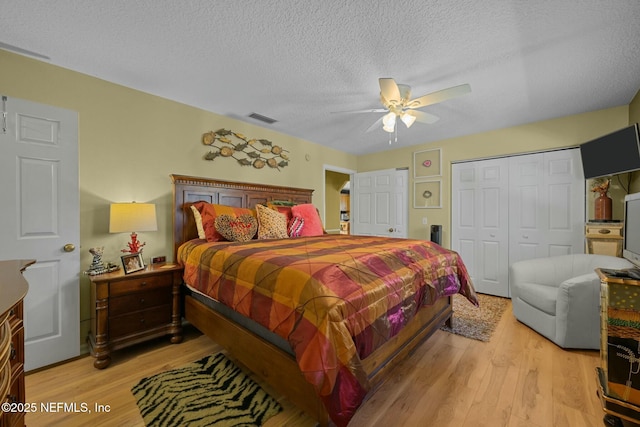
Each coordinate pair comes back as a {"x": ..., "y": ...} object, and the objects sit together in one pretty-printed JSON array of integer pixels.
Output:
[{"x": 209, "y": 392}]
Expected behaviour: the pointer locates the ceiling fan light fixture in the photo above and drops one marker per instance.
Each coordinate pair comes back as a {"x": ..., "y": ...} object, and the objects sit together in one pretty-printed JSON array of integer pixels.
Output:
[
  {"x": 389, "y": 122},
  {"x": 407, "y": 119}
]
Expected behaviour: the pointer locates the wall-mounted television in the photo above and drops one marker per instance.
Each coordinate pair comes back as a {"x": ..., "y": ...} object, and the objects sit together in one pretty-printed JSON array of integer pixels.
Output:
[
  {"x": 611, "y": 154},
  {"x": 631, "y": 242}
]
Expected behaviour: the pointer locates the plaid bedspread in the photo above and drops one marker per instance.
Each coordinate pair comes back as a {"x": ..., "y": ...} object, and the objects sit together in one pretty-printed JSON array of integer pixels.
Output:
[{"x": 335, "y": 298}]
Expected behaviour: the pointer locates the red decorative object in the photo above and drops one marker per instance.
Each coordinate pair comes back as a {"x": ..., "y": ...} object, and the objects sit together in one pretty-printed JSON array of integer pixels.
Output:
[
  {"x": 426, "y": 163},
  {"x": 603, "y": 204},
  {"x": 603, "y": 208},
  {"x": 134, "y": 245}
]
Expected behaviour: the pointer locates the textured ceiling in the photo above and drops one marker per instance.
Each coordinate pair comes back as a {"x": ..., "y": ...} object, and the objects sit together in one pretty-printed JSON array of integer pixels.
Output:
[{"x": 298, "y": 61}]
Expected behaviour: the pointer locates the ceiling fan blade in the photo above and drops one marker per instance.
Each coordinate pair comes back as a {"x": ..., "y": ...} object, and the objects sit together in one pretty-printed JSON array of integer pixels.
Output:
[
  {"x": 390, "y": 91},
  {"x": 423, "y": 117},
  {"x": 376, "y": 124},
  {"x": 374, "y": 110},
  {"x": 439, "y": 96}
]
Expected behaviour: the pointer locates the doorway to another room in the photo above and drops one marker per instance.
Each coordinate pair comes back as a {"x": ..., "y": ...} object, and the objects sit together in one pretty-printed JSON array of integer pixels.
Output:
[{"x": 337, "y": 201}]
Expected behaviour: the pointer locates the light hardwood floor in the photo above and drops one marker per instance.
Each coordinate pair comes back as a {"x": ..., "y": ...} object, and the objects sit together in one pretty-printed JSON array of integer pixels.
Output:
[{"x": 518, "y": 379}]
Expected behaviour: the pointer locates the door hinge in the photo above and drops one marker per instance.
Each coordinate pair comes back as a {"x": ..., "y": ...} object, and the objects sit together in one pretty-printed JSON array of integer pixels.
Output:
[{"x": 4, "y": 114}]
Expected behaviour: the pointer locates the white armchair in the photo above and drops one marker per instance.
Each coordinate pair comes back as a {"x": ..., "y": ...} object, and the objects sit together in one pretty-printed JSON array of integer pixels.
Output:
[{"x": 559, "y": 297}]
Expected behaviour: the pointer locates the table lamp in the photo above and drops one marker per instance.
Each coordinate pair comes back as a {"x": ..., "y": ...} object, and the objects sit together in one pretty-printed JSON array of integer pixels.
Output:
[{"x": 131, "y": 218}]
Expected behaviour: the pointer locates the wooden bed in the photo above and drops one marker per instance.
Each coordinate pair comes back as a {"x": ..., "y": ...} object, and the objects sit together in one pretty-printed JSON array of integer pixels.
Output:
[{"x": 270, "y": 363}]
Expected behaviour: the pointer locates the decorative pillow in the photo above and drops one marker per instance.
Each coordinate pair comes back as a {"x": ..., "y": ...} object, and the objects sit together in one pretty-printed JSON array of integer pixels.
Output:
[
  {"x": 210, "y": 212},
  {"x": 271, "y": 224},
  {"x": 312, "y": 222},
  {"x": 198, "y": 218},
  {"x": 283, "y": 209},
  {"x": 295, "y": 226},
  {"x": 237, "y": 229}
]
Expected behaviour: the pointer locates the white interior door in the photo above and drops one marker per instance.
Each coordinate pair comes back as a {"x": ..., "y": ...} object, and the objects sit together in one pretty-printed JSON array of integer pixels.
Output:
[
  {"x": 480, "y": 224},
  {"x": 546, "y": 206},
  {"x": 380, "y": 202},
  {"x": 40, "y": 215},
  {"x": 514, "y": 208}
]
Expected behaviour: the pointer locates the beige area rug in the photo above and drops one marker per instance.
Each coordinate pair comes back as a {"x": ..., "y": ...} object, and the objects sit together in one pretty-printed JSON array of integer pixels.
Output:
[{"x": 474, "y": 322}]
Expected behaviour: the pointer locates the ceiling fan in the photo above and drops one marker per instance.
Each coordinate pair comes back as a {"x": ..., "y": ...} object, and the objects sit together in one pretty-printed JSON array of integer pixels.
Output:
[{"x": 397, "y": 102}]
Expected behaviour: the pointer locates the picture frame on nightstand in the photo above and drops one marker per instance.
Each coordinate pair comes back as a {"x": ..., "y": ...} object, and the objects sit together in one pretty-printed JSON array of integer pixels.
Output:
[{"x": 132, "y": 262}]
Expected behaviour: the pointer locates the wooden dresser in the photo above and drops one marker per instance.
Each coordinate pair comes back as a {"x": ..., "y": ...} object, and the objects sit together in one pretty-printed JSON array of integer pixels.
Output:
[
  {"x": 617, "y": 377},
  {"x": 132, "y": 308},
  {"x": 604, "y": 238},
  {"x": 13, "y": 289}
]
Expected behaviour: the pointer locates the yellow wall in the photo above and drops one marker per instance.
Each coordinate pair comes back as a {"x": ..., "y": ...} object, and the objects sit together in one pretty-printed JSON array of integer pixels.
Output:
[
  {"x": 567, "y": 131},
  {"x": 130, "y": 142}
]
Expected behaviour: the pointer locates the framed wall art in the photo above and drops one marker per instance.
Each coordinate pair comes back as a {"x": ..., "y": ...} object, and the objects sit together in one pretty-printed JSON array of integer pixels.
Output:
[
  {"x": 427, "y": 194},
  {"x": 427, "y": 163}
]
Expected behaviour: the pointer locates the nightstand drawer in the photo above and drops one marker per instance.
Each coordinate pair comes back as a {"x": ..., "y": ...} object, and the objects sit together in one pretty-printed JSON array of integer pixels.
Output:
[
  {"x": 140, "y": 284},
  {"x": 139, "y": 321},
  {"x": 139, "y": 301},
  {"x": 604, "y": 231}
]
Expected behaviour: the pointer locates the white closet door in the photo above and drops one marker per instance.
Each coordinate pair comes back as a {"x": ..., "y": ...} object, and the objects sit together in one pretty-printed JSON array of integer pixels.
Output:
[
  {"x": 546, "y": 205},
  {"x": 480, "y": 222},
  {"x": 514, "y": 208},
  {"x": 528, "y": 224}
]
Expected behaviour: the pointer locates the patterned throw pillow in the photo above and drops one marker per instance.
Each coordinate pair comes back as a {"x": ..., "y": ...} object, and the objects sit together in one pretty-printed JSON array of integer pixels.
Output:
[
  {"x": 295, "y": 226},
  {"x": 209, "y": 212},
  {"x": 271, "y": 224},
  {"x": 237, "y": 229}
]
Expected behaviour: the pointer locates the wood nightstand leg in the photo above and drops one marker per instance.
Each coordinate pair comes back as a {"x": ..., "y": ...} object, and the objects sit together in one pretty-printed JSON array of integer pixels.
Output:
[
  {"x": 102, "y": 363},
  {"x": 98, "y": 339},
  {"x": 99, "y": 350},
  {"x": 176, "y": 312}
]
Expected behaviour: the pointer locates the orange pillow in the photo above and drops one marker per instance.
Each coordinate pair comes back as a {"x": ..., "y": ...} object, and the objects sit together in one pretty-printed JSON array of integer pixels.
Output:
[
  {"x": 312, "y": 222},
  {"x": 284, "y": 210},
  {"x": 209, "y": 212}
]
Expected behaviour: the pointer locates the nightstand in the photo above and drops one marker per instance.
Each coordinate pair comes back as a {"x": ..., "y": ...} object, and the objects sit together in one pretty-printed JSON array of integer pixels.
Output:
[
  {"x": 131, "y": 308},
  {"x": 604, "y": 238}
]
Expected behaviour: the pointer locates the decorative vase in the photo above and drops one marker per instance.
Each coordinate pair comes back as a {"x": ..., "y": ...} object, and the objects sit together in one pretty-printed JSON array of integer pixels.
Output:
[{"x": 603, "y": 207}]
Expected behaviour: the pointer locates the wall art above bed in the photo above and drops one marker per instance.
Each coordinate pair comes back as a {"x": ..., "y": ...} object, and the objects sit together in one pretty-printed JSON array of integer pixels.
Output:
[{"x": 246, "y": 151}]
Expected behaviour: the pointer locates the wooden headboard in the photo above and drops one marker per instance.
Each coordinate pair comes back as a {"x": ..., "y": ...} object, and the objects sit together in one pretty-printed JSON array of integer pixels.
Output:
[{"x": 189, "y": 189}]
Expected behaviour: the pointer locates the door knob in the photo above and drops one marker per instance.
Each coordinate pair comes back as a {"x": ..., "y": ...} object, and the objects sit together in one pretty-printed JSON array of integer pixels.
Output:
[
  {"x": 391, "y": 230},
  {"x": 69, "y": 247}
]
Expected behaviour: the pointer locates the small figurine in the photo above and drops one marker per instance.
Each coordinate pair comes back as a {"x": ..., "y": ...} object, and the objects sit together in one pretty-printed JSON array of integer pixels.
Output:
[
  {"x": 97, "y": 266},
  {"x": 97, "y": 263}
]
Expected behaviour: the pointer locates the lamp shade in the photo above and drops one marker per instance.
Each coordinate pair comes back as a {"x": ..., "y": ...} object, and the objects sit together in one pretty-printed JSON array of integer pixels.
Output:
[
  {"x": 132, "y": 217},
  {"x": 408, "y": 119},
  {"x": 389, "y": 122}
]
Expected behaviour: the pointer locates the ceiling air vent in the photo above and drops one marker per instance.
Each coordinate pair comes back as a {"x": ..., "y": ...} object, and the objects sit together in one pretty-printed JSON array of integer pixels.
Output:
[{"x": 262, "y": 118}]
